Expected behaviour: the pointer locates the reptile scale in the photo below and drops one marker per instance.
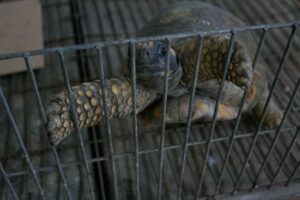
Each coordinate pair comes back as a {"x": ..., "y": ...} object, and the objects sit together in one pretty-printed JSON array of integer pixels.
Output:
[{"x": 150, "y": 66}]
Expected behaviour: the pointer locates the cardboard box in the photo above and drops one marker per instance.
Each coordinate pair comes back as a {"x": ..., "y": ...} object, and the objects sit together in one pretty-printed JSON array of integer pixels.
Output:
[{"x": 20, "y": 30}]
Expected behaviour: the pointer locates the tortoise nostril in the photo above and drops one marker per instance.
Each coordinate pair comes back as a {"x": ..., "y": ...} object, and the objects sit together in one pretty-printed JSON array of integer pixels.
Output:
[{"x": 147, "y": 53}]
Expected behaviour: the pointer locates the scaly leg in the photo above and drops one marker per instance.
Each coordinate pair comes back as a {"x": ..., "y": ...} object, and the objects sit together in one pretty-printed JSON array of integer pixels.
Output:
[
  {"x": 89, "y": 105},
  {"x": 213, "y": 56},
  {"x": 177, "y": 111}
]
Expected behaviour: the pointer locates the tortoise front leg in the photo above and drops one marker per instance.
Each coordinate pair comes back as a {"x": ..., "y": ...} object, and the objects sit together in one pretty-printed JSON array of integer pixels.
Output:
[
  {"x": 177, "y": 111},
  {"x": 89, "y": 105},
  {"x": 231, "y": 94},
  {"x": 203, "y": 107},
  {"x": 213, "y": 56}
]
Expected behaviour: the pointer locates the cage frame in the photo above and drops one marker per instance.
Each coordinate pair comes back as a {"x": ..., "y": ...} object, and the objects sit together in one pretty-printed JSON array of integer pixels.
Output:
[{"x": 60, "y": 51}]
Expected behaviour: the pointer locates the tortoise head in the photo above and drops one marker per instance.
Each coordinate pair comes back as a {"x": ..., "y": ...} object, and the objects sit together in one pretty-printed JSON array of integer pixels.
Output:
[{"x": 151, "y": 60}]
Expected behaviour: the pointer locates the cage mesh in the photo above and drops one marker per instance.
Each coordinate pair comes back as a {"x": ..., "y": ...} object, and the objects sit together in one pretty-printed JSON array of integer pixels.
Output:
[{"x": 69, "y": 22}]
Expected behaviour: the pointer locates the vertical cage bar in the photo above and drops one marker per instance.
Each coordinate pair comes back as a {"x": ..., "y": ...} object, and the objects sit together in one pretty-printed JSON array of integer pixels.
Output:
[
  {"x": 278, "y": 131},
  {"x": 19, "y": 139},
  {"x": 163, "y": 128},
  {"x": 237, "y": 123},
  {"x": 189, "y": 117},
  {"x": 214, "y": 119},
  {"x": 285, "y": 157},
  {"x": 293, "y": 174},
  {"x": 286, "y": 51},
  {"x": 135, "y": 129},
  {"x": 98, "y": 167},
  {"x": 35, "y": 88},
  {"x": 113, "y": 25},
  {"x": 6, "y": 179},
  {"x": 107, "y": 123},
  {"x": 75, "y": 120},
  {"x": 44, "y": 118},
  {"x": 100, "y": 26}
]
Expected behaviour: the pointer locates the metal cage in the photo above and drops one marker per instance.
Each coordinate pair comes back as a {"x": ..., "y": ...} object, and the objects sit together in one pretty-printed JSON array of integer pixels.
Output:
[{"x": 121, "y": 160}]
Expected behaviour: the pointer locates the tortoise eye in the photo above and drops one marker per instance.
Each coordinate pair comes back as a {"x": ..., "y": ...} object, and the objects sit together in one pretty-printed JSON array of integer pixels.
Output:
[{"x": 163, "y": 51}]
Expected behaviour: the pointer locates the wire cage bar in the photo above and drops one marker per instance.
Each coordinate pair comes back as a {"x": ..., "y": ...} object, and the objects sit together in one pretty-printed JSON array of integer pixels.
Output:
[
  {"x": 168, "y": 162},
  {"x": 285, "y": 157},
  {"x": 44, "y": 118},
  {"x": 163, "y": 129},
  {"x": 228, "y": 152},
  {"x": 197, "y": 66},
  {"x": 134, "y": 124},
  {"x": 286, "y": 51},
  {"x": 108, "y": 129},
  {"x": 8, "y": 182},
  {"x": 75, "y": 119},
  {"x": 20, "y": 141}
]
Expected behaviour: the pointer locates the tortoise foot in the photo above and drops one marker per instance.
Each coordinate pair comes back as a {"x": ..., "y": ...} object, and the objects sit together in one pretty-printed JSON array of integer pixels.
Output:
[
  {"x": 272, "y": 120},
  {"x": 213, "y": 58},
  {"x": 240, "y": 67}
]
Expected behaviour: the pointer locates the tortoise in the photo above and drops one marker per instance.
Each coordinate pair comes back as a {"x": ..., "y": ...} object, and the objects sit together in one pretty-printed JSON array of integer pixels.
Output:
[{"x": 151, "y": 57}]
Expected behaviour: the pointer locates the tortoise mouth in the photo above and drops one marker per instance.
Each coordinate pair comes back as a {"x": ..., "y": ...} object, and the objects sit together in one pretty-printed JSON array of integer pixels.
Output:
[
  {"x": 156, "y": 81},
  {"x": 157, "y": 72}
]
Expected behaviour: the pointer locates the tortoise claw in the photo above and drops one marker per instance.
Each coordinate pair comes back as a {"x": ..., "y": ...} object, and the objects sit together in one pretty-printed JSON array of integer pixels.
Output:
[
  {"x": 241, "y": 71},
  {"x": 273, "y": 120},
  {"x": 273, "y": 115},
  {"x": 244, "y": 83}
]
